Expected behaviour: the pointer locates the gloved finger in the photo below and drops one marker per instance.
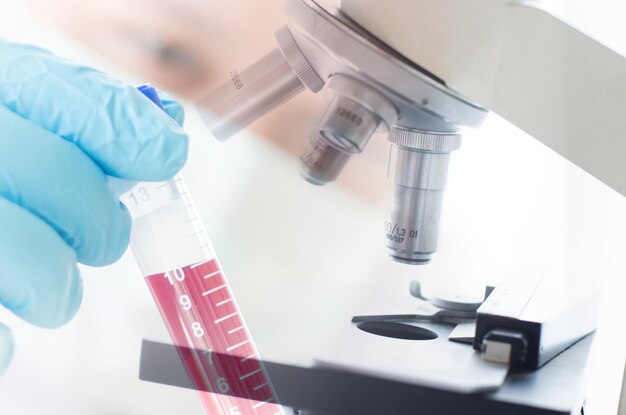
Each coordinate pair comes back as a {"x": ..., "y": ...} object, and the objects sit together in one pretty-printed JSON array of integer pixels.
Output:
[
  {"x": 39, "y": 280},
  {"x": 173, "y": 108},
  {"x": 125, "y": 133},
  {"x": 56, "y": 181},
  {"x": 6, "y": 348},
  {"x": 120, "y": 186}
]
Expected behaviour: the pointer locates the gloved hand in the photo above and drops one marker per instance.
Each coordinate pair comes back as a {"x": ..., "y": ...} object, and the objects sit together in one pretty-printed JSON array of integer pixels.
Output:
[{"x": 63, "y": 129}]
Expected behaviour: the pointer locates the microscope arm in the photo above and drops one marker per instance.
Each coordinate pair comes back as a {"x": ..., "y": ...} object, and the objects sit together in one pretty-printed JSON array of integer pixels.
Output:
[{"x": 549, "y": 79}]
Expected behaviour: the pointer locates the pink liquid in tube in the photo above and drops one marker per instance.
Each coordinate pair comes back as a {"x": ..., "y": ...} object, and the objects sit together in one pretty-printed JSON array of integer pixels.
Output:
[{"x": 193, "y": 297}]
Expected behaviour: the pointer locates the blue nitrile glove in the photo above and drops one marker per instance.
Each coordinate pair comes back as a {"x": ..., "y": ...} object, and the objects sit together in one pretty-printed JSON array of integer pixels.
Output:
[{"x": 63, "y": 129}]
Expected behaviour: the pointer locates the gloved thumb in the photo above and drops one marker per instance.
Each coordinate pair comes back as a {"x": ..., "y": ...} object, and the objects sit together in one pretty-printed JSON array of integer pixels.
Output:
[{"x": 6, "y": 347}]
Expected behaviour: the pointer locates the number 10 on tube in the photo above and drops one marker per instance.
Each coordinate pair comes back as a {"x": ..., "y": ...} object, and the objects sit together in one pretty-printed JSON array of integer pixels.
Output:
[{"x": 192, "y": 294}]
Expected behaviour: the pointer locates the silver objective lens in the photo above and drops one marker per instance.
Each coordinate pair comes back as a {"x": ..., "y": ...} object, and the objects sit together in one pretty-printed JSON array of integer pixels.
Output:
[
  {"x": 355, "y": 111},
  {"x": 418, "y": 169},
  {"x": 321, "y": 163},
  {"x": 248, "y": 94}
]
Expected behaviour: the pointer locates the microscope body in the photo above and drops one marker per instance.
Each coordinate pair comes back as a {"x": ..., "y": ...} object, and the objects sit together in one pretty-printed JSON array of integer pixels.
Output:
[
  {"x": 532, "y": 68},
  {"x": 422, "y": 71}
]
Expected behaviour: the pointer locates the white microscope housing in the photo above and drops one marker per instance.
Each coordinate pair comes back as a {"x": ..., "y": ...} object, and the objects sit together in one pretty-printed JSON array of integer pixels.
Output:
[{"x": 439, "y": 68}]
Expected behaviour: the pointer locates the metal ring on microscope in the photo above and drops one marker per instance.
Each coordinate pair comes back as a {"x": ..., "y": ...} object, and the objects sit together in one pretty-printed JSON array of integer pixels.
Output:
[{"x": 357, "y": 53}]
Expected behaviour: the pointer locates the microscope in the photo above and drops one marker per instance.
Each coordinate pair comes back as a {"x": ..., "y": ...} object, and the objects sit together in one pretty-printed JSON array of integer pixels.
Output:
[
  {"x": 435, "y": 72},
  {"x": 423, "y": 72}
]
